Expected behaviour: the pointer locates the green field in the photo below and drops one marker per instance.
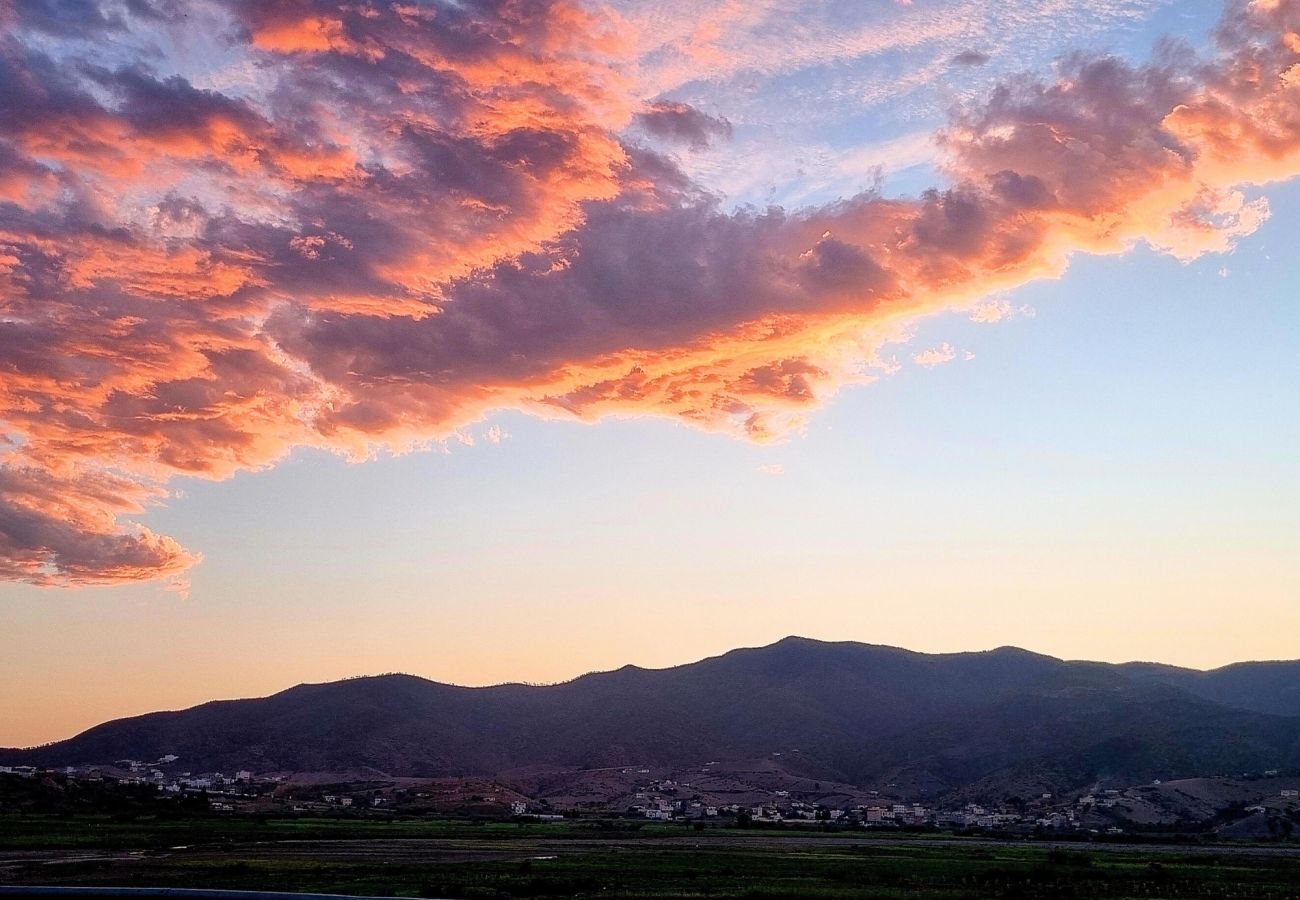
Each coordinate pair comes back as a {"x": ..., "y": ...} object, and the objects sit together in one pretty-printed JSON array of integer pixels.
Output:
[{"x": 561, "y": 860}]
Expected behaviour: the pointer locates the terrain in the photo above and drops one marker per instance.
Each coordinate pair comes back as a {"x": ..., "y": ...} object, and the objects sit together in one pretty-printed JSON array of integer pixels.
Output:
[
  {"x": 983, "y": 724},
  {"x": 563, "y": 860}
]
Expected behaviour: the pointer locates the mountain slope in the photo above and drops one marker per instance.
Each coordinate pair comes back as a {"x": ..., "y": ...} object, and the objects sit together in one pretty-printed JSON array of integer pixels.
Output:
[
  {"x": 1267, "y": 687},
  {"x": 860, "y": 713}
]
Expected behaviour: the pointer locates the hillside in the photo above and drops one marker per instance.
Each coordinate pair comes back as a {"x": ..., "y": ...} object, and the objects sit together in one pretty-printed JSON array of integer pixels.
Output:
[
  {"x": 1267, "y": 687},
  {"x": 857, "y": 713}
]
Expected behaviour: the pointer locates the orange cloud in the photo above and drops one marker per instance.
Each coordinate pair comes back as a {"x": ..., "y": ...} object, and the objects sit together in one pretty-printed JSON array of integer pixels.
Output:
[
  {"x": 63, "y": 530},
  {"x": 418, "y": 215}
]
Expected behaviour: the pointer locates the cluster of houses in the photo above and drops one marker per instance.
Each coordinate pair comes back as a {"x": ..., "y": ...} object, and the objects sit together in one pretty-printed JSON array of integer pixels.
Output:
[
  {"x": 662, "y": 800},
  {"x": 240, "y": 784},
  {"x": 658, "y": 800},
  {"x": 784, "y": 810},
  {"x": 235, "y": 785}
]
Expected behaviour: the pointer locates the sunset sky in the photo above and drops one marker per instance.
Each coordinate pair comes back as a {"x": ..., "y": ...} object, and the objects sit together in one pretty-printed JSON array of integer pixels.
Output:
[{"x": 511, "y": 339}]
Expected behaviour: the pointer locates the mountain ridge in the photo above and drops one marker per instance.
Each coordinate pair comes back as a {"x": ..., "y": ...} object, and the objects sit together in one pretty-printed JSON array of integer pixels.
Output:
[{"x": 863, "y": 714}]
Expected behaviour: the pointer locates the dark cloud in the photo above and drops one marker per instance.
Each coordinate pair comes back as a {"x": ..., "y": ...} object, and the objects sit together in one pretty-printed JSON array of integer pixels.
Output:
[
  {"x": 970, "y": 58},
  {"x": 683, "y": 124}
]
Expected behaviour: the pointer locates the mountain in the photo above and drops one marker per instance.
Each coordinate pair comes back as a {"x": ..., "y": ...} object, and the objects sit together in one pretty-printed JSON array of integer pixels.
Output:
[
  {"x": 1267, "y": 687},
  {"x": 874, "y": 716}
]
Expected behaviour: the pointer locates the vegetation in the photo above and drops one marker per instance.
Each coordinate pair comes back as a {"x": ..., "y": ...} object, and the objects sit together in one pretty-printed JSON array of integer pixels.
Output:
[{"x": 443, "y": 858}]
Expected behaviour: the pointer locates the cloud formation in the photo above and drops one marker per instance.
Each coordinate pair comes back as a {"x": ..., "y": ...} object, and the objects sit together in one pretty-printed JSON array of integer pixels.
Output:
[
  {"x": 683, "y": 123},
  {"x": 396, "y": 218},
  {"x": 935, "y": 356},
  {"x": 970, "y": 58}
]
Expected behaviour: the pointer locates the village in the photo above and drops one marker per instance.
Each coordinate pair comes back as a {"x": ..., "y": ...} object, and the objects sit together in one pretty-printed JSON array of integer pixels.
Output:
[{"x": 708, "y": 796}]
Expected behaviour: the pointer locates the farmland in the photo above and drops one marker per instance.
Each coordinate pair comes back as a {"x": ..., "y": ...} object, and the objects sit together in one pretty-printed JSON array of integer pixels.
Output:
[{"x": 463, "y": 859}]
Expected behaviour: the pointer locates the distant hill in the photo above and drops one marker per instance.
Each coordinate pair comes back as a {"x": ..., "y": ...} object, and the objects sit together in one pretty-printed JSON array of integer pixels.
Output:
[
  {"x": 1267, "y": 687},
  {"x": 984, "y": 723}
]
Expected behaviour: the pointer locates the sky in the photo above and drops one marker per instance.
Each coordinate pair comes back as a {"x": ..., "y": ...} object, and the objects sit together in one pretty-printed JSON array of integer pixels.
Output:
[{"x": 506, "y": 340}]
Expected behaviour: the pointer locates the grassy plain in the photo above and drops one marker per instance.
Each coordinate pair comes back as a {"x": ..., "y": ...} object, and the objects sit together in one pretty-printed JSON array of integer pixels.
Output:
[{"x": 450, "y": 859}]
